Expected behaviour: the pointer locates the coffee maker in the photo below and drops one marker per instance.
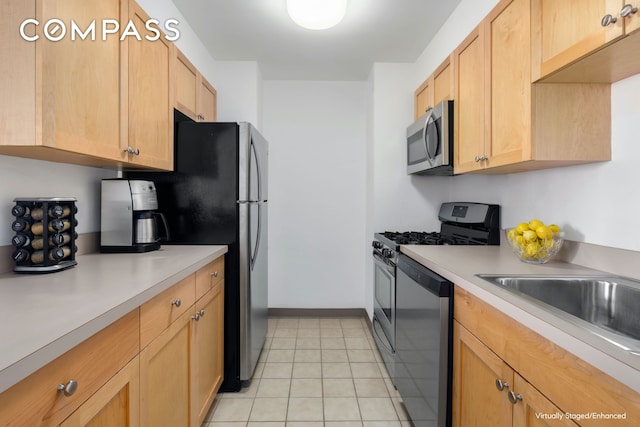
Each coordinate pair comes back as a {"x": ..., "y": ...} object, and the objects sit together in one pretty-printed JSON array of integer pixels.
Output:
[{"x": 129, "y": 218}]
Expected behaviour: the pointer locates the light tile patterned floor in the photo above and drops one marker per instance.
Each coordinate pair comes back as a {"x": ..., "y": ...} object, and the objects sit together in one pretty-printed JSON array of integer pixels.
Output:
[{"x": 314, "y": 372}]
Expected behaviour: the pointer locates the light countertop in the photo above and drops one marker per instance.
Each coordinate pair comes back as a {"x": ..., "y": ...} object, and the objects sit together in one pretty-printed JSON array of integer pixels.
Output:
[
  {"x": 460, "y": 264},
  {"x": 44, "y": 315}
]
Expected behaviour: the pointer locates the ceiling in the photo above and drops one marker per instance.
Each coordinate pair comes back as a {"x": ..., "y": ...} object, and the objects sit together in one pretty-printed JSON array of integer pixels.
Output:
[{"x": 260, "y": 30}]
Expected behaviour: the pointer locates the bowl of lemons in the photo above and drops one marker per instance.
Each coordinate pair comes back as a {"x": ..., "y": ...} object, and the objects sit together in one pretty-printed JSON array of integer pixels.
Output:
[{"x": 534, "y": 242}]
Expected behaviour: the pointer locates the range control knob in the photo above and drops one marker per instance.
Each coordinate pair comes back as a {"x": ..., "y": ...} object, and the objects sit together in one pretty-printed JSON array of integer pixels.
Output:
[
  {"x": 376, "y": 245},
  {"x": 387, "y": 253}
]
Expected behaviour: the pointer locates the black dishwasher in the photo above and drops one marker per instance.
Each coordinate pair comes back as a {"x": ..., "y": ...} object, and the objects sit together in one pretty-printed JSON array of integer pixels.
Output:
[{"x": 424, "y": 343}]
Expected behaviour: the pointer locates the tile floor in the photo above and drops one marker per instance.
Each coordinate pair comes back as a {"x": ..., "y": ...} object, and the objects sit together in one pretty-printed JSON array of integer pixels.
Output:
[{"x": 314, "y": 372}]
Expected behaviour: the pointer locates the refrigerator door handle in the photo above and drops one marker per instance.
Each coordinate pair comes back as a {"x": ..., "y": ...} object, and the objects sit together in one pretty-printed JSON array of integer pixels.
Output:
[
  {"x": 254, "y": 255},
  {"x": 251, "y": 202}
]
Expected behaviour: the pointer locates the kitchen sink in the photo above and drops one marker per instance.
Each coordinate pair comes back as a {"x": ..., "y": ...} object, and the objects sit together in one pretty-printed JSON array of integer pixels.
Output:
[{"x": 608, "y": 306}]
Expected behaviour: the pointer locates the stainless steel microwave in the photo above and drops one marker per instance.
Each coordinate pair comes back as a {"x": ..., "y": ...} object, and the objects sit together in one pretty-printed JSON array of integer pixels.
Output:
[{"x": 430, "y": 142}]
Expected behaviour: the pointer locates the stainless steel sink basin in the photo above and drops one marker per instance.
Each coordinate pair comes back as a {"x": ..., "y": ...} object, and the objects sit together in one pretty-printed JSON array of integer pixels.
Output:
[{"x": 610, "y": 305}]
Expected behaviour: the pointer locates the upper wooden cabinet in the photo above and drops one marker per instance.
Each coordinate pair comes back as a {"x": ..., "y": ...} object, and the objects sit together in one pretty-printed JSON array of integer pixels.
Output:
[
  {"x": 505, "y": 124},
  {"x": 195, "y": 97},
  {"x": 437, "y": 87},
  {"x": 93, "y": 99},
  {"x": 62, "y": 95},
  {"x": 567, "y": 32},
  {"x": 148, "y": 132}
]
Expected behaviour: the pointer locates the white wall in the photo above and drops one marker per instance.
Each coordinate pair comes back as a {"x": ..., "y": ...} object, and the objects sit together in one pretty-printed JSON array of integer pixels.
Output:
[{"x": 317, "y": 156}]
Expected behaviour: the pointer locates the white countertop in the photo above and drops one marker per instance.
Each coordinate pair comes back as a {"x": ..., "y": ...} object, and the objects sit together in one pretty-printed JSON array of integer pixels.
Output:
[
  {"x": 43, "y": 316},
  {"x": 460, "y": 264}
]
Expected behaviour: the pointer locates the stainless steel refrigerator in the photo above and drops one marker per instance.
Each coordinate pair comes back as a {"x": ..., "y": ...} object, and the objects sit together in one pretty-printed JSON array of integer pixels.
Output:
[{"x": 217, "y": 194}]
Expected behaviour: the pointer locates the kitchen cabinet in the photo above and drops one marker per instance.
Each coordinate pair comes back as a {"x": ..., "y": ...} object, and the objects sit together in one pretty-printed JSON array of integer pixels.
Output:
[
  {"x": 593, "y": 24},
  {"x": 544, "y": 378},
  {"x": 437, "y": 87},
  {"x": 93, "y": 367},
  {"x": 488, "y": 392},
  {"x": 505, "y": 124},
  {"x": 115, "y": 404},
  {"x": 61, "y": 100},
  {"x": 195, "y": 97},
  {"x": 148, "y": 133},
  {"x": 181, "y": 368}
]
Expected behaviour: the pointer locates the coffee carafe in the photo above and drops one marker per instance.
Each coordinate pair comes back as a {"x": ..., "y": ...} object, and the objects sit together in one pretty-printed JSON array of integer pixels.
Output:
[{"x": 129, "y": 217}]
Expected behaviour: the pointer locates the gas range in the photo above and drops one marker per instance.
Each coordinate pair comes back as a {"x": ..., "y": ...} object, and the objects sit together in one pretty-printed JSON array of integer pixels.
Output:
[{"x": 462, "y": 223}]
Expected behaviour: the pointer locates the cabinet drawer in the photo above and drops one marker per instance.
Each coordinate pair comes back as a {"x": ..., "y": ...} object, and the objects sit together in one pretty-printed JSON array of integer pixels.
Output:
[
  {"x": 36, "y": 400},
  {"x": 208, "y": 276},
  {"x": 158, "y": 313}
]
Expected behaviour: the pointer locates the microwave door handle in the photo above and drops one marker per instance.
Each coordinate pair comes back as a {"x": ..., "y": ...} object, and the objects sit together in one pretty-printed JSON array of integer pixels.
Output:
[{"x": 424, "y": 135}]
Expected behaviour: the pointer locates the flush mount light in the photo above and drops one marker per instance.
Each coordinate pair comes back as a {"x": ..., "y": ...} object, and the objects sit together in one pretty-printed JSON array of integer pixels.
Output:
[{"x": 316, "y": 14}]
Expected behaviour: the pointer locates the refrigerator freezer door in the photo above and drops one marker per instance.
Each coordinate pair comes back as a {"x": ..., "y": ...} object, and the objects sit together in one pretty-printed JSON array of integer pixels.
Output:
[{"x": 253, "y": 151}]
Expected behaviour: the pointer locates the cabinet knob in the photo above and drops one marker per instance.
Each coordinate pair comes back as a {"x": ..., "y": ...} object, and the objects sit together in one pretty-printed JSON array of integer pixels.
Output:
[
  {"x": 627, "y": 10},
  {"x": 608, "y": 20},
  {"x": 214, "y": 274},
  {"x": 201, "y": 313},
  {"x": 513, "y": 398},
  {"x": 196, "y": 316},
  {"x": 480, "y": 158},
  {"x": 501, "y": 385},
  {"x": 69, "y": 388},
  {"x": 176, "y": 302},
  {"x": 131, "y": 150}
]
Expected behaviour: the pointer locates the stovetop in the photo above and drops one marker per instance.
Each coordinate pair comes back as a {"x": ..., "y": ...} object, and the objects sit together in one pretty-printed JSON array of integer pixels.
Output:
[{"x": 424, "y": 238}]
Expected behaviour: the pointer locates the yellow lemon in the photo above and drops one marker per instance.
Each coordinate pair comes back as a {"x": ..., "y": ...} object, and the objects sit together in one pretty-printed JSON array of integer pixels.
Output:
[
  {"x": 530, "y": 236},
  {"x": 554, "y": 228},
  {"x": 522, "y": 227},
  {"x": 512, "y": 234},
  {"x": 520, "y": 241},
  {"x": 535, "y": 223},
  {"x": 531, "y": 249},
  {"x": 544, "y": 232}
]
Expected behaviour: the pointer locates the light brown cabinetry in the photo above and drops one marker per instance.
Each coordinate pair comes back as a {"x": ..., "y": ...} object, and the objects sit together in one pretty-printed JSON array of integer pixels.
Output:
[
  {"x": 488, "y": 392},
  {"x": 195, "y": 97},
  {"x": 423, "y": 98},
  {"x": 61, "y": 100},
  {"x": 505, "y": 124},
  {"x": 148, "y": 134},
  {"x": 544, "y": 378},
  {"x": 567, "y": 33},
  {"x": 90, "y": 365},
  {"x": 437, "y": 87},
  {"x": 181, "y": 368}
]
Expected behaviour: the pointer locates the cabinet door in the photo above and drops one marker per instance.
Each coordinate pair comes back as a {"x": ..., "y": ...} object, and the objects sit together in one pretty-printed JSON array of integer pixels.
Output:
[
  {"x": 567, "y": 30},
  {"x": 81, "y": 82},
  {"x": 117, "y": 403},
  {"x": 469, "y": 103},
  {"x": 150, "y": 103},
  {"x": 632, "y": 21},
  {"x": 533, "y": 409},
  {"x": 509, "y": 74},
  {"x": 164, "y": 376},
  {"x": 207, "y": 111},
  {"x": 443, "y": 82},
  {"x": 186, "y": 85},
  {"x": 476, "y": 399},
  {"x": 423, "y": 98},
  {"x": 207, "y": 350}
]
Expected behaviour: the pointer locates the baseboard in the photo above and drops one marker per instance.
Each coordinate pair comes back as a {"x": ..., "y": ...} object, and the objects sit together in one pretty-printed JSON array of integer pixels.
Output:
[{"x": 318, "y": 312}]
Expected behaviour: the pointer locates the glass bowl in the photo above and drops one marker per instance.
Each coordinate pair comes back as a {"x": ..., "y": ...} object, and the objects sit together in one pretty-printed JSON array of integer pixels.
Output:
[{"x": 535, "y": 251}]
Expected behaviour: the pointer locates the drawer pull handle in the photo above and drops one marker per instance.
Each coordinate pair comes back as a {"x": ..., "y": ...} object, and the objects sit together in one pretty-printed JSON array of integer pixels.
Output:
[
  {"x": 176, "y": 302},
  {"x": 513, "y": 398},
  {"x": 501, "y": 385},
  {"x": 69, "y": 388},
  {"x": 214, "y": 274},
  {"x": 201, "y": 313}
]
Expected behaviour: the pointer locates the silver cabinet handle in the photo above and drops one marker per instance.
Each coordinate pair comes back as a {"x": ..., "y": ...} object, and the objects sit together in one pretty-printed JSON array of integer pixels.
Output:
[
  {"x": 513, "y": 398},
  {"x": 201, "y": 313},
  {"x": 481, "y": 158},
  {"x": 131, "y": 150},
  {"x": 69, "y": 388},
  {"x": 501, "y": 385},
  {"x": 196, "y": 316},
  {"x": 176, "y": 302},
  {"x": 214, "y": 274},
  {"x": 627, "y": 10},
  {"x": 608, "y": 20}
]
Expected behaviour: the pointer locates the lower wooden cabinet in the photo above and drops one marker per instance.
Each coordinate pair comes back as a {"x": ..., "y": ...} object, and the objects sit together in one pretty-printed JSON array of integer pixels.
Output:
[
  {"x": 117, "y": 403},
  {"x": 537, "y": 378},
  {"x": 111, "y": 381}
]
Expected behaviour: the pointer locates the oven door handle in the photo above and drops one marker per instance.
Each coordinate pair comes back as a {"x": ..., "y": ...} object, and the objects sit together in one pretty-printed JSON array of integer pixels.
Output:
[
  {"x": 390, "y": 269},
  {"x": 383, "y": 340}
]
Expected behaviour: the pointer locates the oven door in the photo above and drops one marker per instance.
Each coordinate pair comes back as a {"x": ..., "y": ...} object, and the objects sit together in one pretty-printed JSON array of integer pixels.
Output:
[{"x": 384, "y": 310}]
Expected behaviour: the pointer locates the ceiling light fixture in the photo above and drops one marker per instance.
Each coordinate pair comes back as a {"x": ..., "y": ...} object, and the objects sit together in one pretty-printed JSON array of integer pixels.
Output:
[{"x": 317, "y": 14}]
